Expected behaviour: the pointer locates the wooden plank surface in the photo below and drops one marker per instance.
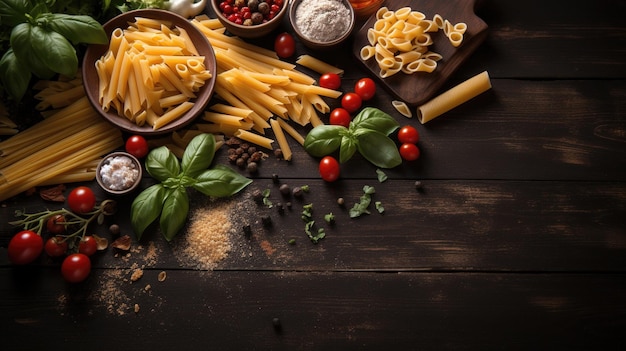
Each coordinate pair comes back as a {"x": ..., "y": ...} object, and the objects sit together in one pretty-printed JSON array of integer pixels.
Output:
[
  {"x": 516, "y": 241},
  {"x": 321, "y": 311}
]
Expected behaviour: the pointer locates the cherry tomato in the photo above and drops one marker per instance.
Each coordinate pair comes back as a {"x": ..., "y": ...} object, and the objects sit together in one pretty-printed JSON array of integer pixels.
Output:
[
  {"x": 56, "y": 246},
  {"x": 25, "y": 247},
  {"x": 351, "y": 102},
  {"x": 55, "y": 224},
  {"x": 330, "y": 81},
  {"x": 284, "y": 45},
  {"x": 408, "y": 134},
  {"x": 137, "y": 146},
  {"x": 409, "y": 152},
  {"x": 76, "y": 268},
  {"x": 340, "y": 117},
  {"x": 329, "y": 169},
  {"x": 88, "y": 245},
  {"x": 81, "y": 200},
  {"x": 365, "y": 88}
]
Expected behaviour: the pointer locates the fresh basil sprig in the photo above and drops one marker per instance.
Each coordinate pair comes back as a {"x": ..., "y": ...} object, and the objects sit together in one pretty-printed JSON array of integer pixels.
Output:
[
  {"x": 169, "y": 199},
  {"x": 42, "y": 43},
  {"x": 368, "y": 134}
]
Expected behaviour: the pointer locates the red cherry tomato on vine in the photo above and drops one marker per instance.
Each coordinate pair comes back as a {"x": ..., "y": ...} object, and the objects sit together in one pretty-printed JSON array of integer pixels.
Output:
[
  {"x": 88, "y": 245},
  {"x": 284, "y": 45},
  {"x": 408, "y": 134},
  {"x": 24, "y": 247},
  {"x": 365, "y": 88},
  {"x": 137, "y": 146},
  {"x": 351, "y": 102},
  {"x": 409, "y": 152},
  {"x": 340, "y": 117},
  {"x": 76, "y": 268},
  {"x": 81, "y": 200},
  {"x": 55, "y": 224},
  {"x": 56, "y": 246},
  {"x": 329, "y": 169},
  {"x": 330, "y": 81}
]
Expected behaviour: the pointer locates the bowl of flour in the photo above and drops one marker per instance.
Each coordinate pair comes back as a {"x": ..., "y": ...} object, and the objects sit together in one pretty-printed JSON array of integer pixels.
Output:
[{"x": 321, "y": 24}]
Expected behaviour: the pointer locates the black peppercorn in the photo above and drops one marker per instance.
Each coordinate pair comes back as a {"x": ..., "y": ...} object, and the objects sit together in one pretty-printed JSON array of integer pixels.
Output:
[
  {"x": 275, "y": 178},
  {"x": 297, "y": 192},
  {"x": 253, "y": 5},
  {"x": 285, "y": 190},
  {"x": 257, "y": 196},
  {"x": 257, "y": 18}
]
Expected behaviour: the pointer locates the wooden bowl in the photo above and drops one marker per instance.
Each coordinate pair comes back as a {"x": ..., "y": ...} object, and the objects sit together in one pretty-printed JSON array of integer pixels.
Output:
[
  {"x": 253, "y": 31},
  {"x": 95, "y": 52},
  {"x": 315, "y": 44},
  {"x": 106, "y": 186}
]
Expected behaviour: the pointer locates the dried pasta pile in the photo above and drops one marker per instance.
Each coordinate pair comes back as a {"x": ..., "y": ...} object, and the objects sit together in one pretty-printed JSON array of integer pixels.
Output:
[
  {"x": 65, "y": 147},
  {"x": 257, "y": 85}
]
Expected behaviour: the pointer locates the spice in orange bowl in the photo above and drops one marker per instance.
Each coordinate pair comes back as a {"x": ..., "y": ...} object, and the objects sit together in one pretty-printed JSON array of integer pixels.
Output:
[{"x": 365, "y": 8}]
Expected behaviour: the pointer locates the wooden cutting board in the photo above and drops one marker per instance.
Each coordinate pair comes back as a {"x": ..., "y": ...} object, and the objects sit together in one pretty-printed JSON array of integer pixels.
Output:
[{"x": 417, "y": 88}]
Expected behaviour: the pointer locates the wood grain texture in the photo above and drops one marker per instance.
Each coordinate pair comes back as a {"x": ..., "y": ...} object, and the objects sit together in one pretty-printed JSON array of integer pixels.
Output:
[
  {"x": 418, "y": 88},
  {"x": 516, "y": 241},
  {"x": 319, "y": 311}
]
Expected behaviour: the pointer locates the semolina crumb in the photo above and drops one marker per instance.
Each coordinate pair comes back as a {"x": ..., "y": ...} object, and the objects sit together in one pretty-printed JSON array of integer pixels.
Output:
[
  {"x": 136, "y": 308},
  {"x": 137, "y": 274}
]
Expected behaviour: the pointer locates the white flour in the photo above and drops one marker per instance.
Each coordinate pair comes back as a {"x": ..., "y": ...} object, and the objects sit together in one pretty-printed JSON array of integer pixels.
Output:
[{"x": 322, "y": 20}]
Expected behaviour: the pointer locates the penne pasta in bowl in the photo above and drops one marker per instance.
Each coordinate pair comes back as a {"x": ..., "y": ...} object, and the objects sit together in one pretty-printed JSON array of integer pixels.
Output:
[{"x": 156, "y": 75}]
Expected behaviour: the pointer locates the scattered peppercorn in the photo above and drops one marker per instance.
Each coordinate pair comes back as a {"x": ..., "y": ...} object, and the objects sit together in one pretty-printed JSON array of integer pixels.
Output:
[
  {"x": 275, "y": 178},
  {"x": 278, "y": 153},
  {"x": 267, "y": 221},
  {"x": 280, "y": 208},
  {"x": 257, "y": 195},
  {"x": 288, "y": 204},
  {"x": 277, "y": 326},
  {"x": 253, "y": 167},
  {"x": 114, "y": 229},
  {"x": 419, "y": 186},
  {"x": 341, "y": 201},
  {"x": 297, "y": 192},
  {"x": 247, "y": 230},
  {"x": 285, "y": 190}
]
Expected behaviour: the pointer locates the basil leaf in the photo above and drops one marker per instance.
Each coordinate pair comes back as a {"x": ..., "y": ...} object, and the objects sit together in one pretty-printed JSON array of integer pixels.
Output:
[
  {"x": 220, "y": 181},
  {"x": 76, "y": 28},
  {"x": 198, "y": 155},
  {"x": 11, "y": 71},
  {"x": 347, "y": 149},
  {"x": 377, "y": 148},
  {"x": 162, "y": 164},
  {"x": 174, "y": 214},
  {"x": 54, "y": 50},
  {"x": 25, "y": 52},
  {"x": 323, "y": 140},
  {"x": 375, "y": 119},
  {"x": 146, "y": 208},
  {"x": 13, "y": 12}
]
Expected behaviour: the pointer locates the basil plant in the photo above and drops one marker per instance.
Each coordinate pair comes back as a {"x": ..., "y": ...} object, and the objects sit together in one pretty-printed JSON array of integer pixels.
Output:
[
  {"x": 368, "y": 134},
  {"x": 169, "y": 200},
  {"x": 42, "y": 43}
]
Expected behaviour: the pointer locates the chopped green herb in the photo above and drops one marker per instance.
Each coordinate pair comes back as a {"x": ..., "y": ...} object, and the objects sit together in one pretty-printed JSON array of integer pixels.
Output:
[
  {"x": 381, "y": 175},
  {"x": 305, "y": 188},
  {"x": 379, "y": 206},
  {"x": 307, "y": 217},
  {"x": 292, "y": 241},
  {"x": 329, "y": 218},
  {"x": 266, "y": 198},
  {"x": 361, "y": 207}
]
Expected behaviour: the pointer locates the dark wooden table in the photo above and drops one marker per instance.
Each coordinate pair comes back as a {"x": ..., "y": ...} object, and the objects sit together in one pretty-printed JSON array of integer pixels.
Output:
[{"x": 517, "y": 240}]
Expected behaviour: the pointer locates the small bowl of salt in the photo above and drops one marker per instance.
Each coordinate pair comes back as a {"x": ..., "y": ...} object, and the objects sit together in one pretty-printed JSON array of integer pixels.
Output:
[
  {"x": 119, "y": 173},
  {"x": 322, "y": 24}
]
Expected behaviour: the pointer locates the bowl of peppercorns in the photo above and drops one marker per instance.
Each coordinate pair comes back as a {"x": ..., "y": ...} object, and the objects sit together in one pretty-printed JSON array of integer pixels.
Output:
[{"x": 250, "y": 18}]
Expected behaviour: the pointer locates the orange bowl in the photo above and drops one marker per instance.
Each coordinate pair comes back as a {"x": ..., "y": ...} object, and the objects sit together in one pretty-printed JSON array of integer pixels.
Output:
[{"x": 95, "y": 52}]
